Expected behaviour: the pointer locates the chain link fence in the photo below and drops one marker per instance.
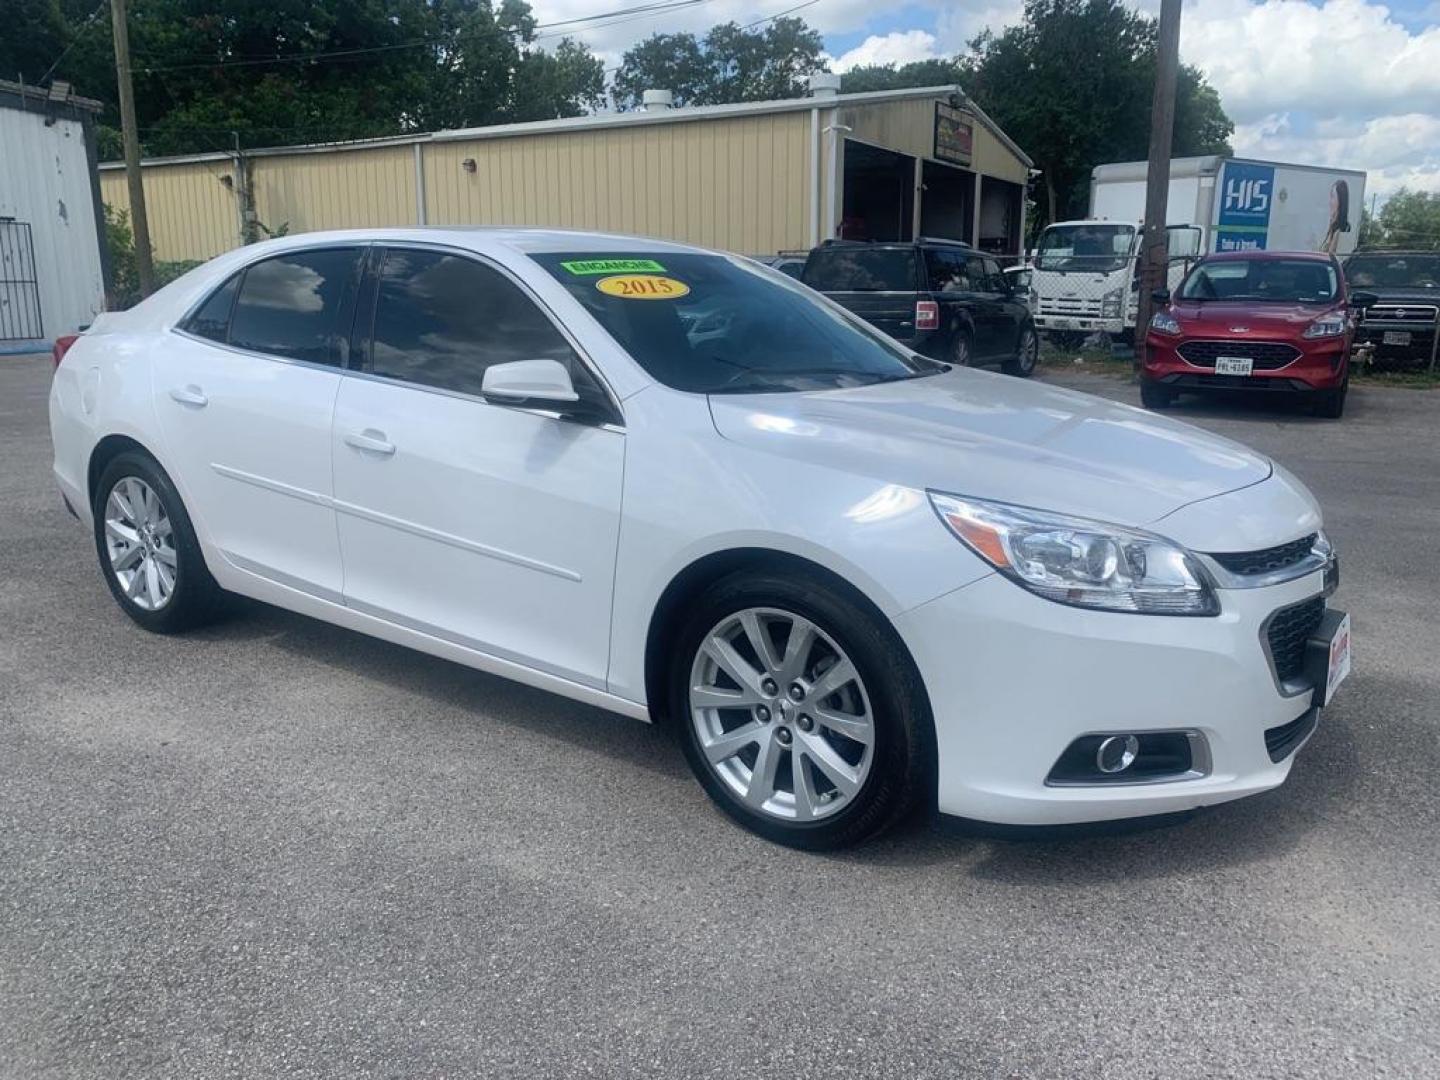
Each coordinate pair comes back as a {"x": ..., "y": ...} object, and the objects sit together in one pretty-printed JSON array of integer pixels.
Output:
[{"x": 1091, "y": 301}]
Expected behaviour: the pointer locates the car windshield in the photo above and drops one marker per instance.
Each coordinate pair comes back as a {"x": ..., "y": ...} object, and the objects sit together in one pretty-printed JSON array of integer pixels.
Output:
[
  {"x": 715, "y": 324},
  {"x": 1290, "y": 281},
  {"x": 1094, "y": 249},
  {"x": 1393, "y": 271},
  {"x": 858, "y": 268}
]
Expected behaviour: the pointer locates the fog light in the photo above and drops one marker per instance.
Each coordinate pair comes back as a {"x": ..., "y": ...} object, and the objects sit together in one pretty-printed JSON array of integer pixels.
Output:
[{"x": 1117, "y": 753}]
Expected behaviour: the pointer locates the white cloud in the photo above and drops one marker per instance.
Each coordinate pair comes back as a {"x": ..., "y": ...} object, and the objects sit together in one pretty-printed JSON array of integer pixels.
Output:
[
  {"x": 1341, "y": 58},
  {"x": 900, "y": 47}
]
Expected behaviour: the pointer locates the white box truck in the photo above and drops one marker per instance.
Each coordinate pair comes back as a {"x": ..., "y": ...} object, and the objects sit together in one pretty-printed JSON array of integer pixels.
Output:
[{"x": 1084, "y": 278}]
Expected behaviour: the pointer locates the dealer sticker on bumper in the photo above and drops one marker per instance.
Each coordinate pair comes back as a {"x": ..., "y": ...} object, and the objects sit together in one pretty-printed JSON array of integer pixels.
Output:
[{"x": 1339, "y": 665}]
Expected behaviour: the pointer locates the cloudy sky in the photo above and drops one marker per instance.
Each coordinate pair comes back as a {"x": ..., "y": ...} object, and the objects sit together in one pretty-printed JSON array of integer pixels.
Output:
[{"x": 1344, "y": 82}]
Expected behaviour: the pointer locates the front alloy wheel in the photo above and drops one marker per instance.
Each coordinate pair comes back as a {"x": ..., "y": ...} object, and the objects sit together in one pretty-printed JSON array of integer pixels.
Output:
[
  {"x": 781, "y": 714},
  {"x": 1027, "y": 354},
  {"x": 799, "y": 708}
]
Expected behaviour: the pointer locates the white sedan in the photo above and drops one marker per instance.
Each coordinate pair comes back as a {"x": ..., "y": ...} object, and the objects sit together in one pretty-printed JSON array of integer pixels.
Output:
[{"x": 675, "y": 484}]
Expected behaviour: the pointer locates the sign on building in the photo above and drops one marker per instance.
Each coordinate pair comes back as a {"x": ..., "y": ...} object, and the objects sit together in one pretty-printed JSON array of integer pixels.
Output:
[{"x": 954, "y": 135}]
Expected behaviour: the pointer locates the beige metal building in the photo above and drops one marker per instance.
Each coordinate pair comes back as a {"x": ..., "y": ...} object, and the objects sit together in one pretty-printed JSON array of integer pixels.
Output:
[{"x": 756, "y": 178}]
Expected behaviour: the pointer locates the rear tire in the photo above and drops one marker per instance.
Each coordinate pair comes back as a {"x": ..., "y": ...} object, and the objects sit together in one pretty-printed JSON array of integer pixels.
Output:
[
  {"x": 1027, "y": 355},
  {"x": 849, "y": 788},
  {"x": 962, "y": 350},
  {"x": 1156, "y": 397},
  {"x": 147, "y": 548}
]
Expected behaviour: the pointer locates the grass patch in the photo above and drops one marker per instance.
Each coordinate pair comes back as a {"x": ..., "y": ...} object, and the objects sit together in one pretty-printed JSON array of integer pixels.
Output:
[
  {"x": 1097, "y": 361},
  {"x": 1413, "y": 380}
]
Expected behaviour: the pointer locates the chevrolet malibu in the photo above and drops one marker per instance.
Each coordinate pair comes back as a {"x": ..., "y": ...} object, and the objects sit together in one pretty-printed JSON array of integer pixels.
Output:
[{"x": 677, "y": 485}]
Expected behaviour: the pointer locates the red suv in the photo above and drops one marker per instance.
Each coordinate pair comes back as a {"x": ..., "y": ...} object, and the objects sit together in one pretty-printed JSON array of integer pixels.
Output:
[{"x": 1280, "y": 321}]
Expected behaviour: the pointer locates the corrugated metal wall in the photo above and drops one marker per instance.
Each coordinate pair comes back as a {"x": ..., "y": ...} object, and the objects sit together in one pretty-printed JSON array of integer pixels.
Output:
[
  {"x": 740, "y": 184},
  {"x": 45, "y": 181},
  {"x": 909, "y": 127},
  {"x": 336, "y": 190},
  {"x": 192, "y": 213}
]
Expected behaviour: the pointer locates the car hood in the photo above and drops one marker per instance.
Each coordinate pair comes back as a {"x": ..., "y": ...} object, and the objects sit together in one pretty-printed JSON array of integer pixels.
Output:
[
  {"x": 997, "y": 437},
  {"x": 1222, "y": 319}
]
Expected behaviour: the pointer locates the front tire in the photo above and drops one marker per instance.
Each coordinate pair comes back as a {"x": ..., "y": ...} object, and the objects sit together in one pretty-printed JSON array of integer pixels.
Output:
[
  {"x": 962, "y": 349},
  {"x": 1331, "y": 404},
  {"x": 799, "y": 711},
  {"x": 1027, "y": 355},
  {"x": 1156, "y": 397},
  {"x": 148, "y": 552}
]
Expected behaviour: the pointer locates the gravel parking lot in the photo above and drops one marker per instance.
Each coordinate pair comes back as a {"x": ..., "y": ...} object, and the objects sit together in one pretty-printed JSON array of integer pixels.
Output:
[{"x": 277, "y": 848}]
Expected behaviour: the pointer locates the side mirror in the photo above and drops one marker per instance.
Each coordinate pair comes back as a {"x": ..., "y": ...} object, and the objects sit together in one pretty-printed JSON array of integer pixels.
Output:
[
  {"x": 1161, "y": 296},
  {"x": 1363, "y": 300},
  {"x": 529, "y": 382}
]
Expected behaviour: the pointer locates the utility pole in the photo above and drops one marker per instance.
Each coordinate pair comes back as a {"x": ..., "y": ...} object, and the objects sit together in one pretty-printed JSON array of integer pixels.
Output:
[
  {"x": 1154, "y": 251},
  {"x": 139, "y": 221}
]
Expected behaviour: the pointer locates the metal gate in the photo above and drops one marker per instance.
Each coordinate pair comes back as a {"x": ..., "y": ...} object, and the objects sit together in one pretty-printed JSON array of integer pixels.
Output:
[{"x": 19, "y": 287}]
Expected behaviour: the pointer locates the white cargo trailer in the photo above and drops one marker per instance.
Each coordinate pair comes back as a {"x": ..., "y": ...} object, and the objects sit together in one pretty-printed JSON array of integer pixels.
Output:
[{"x": 1085, "y": 276}]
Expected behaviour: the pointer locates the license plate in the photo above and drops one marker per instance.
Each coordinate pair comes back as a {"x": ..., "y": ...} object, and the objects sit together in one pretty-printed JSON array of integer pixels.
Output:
[
  {"x": 1397, "y": 337},
  {"x": 1339, "y": 665},
  {"x": 1233, "y": 365}
]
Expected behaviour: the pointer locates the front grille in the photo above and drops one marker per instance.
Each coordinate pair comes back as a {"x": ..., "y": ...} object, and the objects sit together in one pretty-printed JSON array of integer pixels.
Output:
[
  {"x": 1289, "y": 629},
  {"x": 1266, "y": 355},
  {"x": 1190, "y": 381},
  {"x": 1282, "y": 741},
  {"x": 1071, "y": 306},
  {"x": 1407, "y": 314},
  {"x": 1266, "y": 560}
]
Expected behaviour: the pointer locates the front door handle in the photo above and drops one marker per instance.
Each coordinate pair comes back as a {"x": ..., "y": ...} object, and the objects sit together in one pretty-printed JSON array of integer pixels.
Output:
[
  {"x": 190, "y": 395},
  {"x": 371, "y": 441}
]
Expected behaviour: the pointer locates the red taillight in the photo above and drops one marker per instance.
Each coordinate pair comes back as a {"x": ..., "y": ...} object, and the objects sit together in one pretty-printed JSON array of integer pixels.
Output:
[
  {"x": 62, "y": 346},
  {"x": 927, "y": 315}
]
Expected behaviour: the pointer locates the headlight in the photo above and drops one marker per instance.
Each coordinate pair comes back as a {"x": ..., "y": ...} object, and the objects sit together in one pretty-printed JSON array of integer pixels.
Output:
[
  {"x": 1078, "y": 562},
  {"x": 1332, "y": 325},
  {"x": 1162, "y": 322}
]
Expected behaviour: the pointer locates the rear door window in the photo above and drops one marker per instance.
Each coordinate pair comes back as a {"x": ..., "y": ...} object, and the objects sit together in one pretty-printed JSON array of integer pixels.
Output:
[
  {"x": 861, "y": 269},
  {"x": 289, "y": 305}
]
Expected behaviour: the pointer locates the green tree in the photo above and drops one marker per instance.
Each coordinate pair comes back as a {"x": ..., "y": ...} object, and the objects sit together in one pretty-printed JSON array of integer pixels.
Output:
[
  {"x": 1072, "y": 84},
  {"x": 1408, "y": 219},
  {"x": 861, "y": 80},
  {"x": 732, "y": 63},
  {"x": 276, "y": 72}
]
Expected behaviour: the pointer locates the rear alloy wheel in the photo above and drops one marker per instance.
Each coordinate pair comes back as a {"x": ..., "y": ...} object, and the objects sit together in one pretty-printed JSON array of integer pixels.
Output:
[
  {"x": 1027, "y": 354},
  {"x": 147, "y": 548},
  {"x": 808, "y": 736}
]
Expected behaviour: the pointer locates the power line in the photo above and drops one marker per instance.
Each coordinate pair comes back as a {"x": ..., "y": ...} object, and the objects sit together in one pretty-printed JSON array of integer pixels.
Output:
[
  {"x": 74, "y": 40},
  {"x": 750, "y": 25},
  {"x": 637, "y": 12}
]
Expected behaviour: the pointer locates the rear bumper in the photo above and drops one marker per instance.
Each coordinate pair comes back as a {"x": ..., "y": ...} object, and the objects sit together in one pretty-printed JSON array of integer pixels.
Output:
[{"x": 1322, "y": 365}]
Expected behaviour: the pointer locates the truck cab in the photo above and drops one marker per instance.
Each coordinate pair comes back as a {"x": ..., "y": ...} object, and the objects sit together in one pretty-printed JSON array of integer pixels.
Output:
[{"x": 1085, "y": 278}]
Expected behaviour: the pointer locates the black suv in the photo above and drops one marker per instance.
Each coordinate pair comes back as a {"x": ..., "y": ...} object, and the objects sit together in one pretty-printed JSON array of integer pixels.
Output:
[
  {"x": 1401, "y": 324},
  {"x": 940, "y": 297}
]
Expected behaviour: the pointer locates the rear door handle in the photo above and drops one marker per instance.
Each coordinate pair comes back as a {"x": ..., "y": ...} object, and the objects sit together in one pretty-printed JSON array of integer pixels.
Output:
[
  {"x": 371, "y": 441},
  {"x": 190, "y": 395}
]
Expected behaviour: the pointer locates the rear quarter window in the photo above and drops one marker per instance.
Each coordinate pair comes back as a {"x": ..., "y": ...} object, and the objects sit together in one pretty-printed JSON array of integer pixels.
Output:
[{"x": 862, "y": 269}]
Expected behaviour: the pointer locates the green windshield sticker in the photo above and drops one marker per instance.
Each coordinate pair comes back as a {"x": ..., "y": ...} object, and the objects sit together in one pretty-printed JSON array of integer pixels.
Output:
[{"x": 614, "y": 266}]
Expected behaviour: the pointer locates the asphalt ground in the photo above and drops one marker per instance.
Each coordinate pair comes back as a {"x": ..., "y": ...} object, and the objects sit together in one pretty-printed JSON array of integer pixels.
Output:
[{"x": 278, "y": 848}]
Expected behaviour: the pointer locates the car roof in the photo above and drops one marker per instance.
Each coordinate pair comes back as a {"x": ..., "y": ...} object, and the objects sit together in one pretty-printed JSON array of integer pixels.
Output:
[
  {"x": 1269, "y": 256},
  {"x": 483, "y": 239}
]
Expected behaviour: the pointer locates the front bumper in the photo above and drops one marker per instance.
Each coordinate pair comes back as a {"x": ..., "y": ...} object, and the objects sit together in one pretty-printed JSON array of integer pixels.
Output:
[
  {"x": 1321, "y": 365},
  {"x": 1014, "y": 679}
]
